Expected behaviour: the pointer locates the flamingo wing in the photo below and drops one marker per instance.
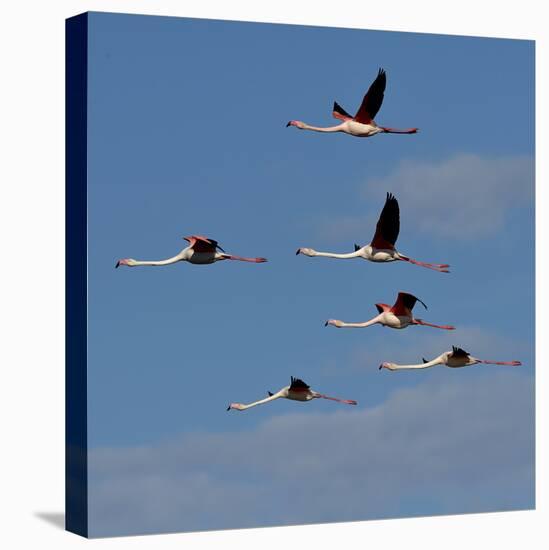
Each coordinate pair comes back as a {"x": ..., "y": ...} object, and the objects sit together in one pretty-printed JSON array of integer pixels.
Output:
[
  {"x": 297, "y": 384},
  {"x": 405, "y": 303},
  {"x": 388, "y": 225},
  {"x": 459, "y": 353},
  {"x": 340, "y": 113},
  {"x": 372, "y": 100},
  {"x": 200, "y": 243}
]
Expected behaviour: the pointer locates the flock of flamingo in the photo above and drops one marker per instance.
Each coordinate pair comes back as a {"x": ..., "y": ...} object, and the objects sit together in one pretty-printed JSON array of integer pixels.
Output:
[{"x": 203, "y": 250}]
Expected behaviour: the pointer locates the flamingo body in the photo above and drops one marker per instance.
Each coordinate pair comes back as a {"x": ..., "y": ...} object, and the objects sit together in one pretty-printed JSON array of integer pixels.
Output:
[
  {"x": 296, "y": 391},
  {"x": 381, "y": 249},
  {"x": 455, "y": 359},
  {"x": 201, "y": 251},
  {"x": 398, "y": 316},
  {"x": 362, "y": 124}
]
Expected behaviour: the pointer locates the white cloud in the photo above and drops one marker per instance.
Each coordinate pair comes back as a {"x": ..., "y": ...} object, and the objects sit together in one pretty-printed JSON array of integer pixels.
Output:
[
  {"x": 465, "y": 197},
  {"x": 447, "y": 446}
]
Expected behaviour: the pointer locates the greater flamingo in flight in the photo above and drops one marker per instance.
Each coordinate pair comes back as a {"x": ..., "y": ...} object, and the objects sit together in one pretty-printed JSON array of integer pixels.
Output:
[
  {"x": 382, "y": 247},
  {"x": 296, "y": 391},
  {"x": 454, "y": 359},
  {"x": 362, "y": 124},
  {"x": 397, "y": 316},
  {"x": 201, "y": 251}
]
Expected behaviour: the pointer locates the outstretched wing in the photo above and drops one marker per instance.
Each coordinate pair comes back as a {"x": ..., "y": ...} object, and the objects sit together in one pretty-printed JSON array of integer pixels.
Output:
[
  {"x": 405, "y": 303},
  {"x": 388, "y": 225},
  {"x": 340, "y": 113},
  {"x": 297, "y": 384},
  {"x": 372, "y": 100},
  {"x": 458, "y": 352},
  {"x": 202, "y": 244}
]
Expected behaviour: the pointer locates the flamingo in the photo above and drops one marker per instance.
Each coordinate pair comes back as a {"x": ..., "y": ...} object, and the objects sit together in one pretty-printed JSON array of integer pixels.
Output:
[
  {"x": 382, "y": 248},
  {"x": 454, "y": 359},
  {"x": 362, "y": 124},
  {"x": 201, "y": 251},
  {"x": 398, "y": 316},
  {"x": 296, "y": 391}
]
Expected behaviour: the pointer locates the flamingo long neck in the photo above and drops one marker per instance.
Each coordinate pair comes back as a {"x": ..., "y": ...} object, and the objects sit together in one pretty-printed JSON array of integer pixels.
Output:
[
  {"x": 373, "y": 321},
  {"x": 346, "y": 256},
  {"x": 261, "y": 401},
  {"x": 328, "y": 129},
  {"x": 168, "y": 261},
  {"x": 436, "y": 361}
]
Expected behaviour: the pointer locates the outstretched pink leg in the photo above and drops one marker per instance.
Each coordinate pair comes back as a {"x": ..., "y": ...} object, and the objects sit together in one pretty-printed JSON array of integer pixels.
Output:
[
  {"x": 346, "y": 401},
  {"x": 397, "y": 131},
  {"x": 509, "y": 363},
  {"x": 241, "y": 259},
  {"x": 424, "y": 323},
  {"x": 442, "y": 268}
]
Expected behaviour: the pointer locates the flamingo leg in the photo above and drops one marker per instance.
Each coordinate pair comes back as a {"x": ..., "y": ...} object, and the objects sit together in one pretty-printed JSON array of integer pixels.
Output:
[
  {"x": 397, "y": 131},
  {"x": 424, "y": 323},
  {"x": 509, "y": 363},
  {"x": 241, "y": 259},
  {"x": 346, "y": 401},
  {"x": 442, "y": 268}
]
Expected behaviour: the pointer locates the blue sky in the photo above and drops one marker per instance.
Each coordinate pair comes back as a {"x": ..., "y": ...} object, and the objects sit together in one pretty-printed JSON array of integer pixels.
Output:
[{"x": 187, "y": 135}]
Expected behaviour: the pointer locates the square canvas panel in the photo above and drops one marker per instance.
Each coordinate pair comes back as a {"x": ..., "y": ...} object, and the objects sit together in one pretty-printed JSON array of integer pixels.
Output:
[{"x": 227, "y": 134}]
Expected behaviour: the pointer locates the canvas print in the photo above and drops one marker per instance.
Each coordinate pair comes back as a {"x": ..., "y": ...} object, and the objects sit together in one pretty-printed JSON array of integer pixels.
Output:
[{"x": 208, "y": 217}]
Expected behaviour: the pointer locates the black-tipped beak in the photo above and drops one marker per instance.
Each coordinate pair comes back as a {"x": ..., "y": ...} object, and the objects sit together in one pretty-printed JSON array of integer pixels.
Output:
[
  {"x": 289, "y": 124},
  {"x": 229, "y": 408},
  {"x": 326, "y": 324},
  {"x": 117, "y": 265},
  {"x": 297, "y": 251},
  {"x": 380, "y": 366}
]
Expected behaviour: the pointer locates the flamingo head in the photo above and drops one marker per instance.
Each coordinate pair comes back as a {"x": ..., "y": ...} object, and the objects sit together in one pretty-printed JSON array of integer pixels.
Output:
[
  {"x": 334, "y": 323},
  {"x": 130, "y": 262},
  {"x": 305, "y": 252},
  {"x": 296, "y": 123},
  {"x": 386, "y": 365},
  {"x": 236, "y": 406}
]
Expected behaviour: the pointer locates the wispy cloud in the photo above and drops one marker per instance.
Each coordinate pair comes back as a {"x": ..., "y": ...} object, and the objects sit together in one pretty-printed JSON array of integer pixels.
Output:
[
  {"x": 440, "y": 447},
  {"x": 465, "y": 197}
]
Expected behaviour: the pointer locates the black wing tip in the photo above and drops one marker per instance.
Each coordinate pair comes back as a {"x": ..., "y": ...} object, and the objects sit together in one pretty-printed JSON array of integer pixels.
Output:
[
  {"x": 459, "y": 351},
  {"x": 424, "y": 360},
  {"x": 298, "y": 383},
  {"x": 357, "y": 247},
  {"x": 414, "y": 298},
  {"x": 270, "y": 393},
  {"x": 289, "y": 124}
]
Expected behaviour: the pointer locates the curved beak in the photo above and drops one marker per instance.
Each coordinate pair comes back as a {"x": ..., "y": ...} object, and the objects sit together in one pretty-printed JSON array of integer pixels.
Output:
[
  {"x": 297, "y": 251},
  {"x": 117, "y": 264},
  {"x": 289, "y": 124},
  {"x": 380, "y": 366}
]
